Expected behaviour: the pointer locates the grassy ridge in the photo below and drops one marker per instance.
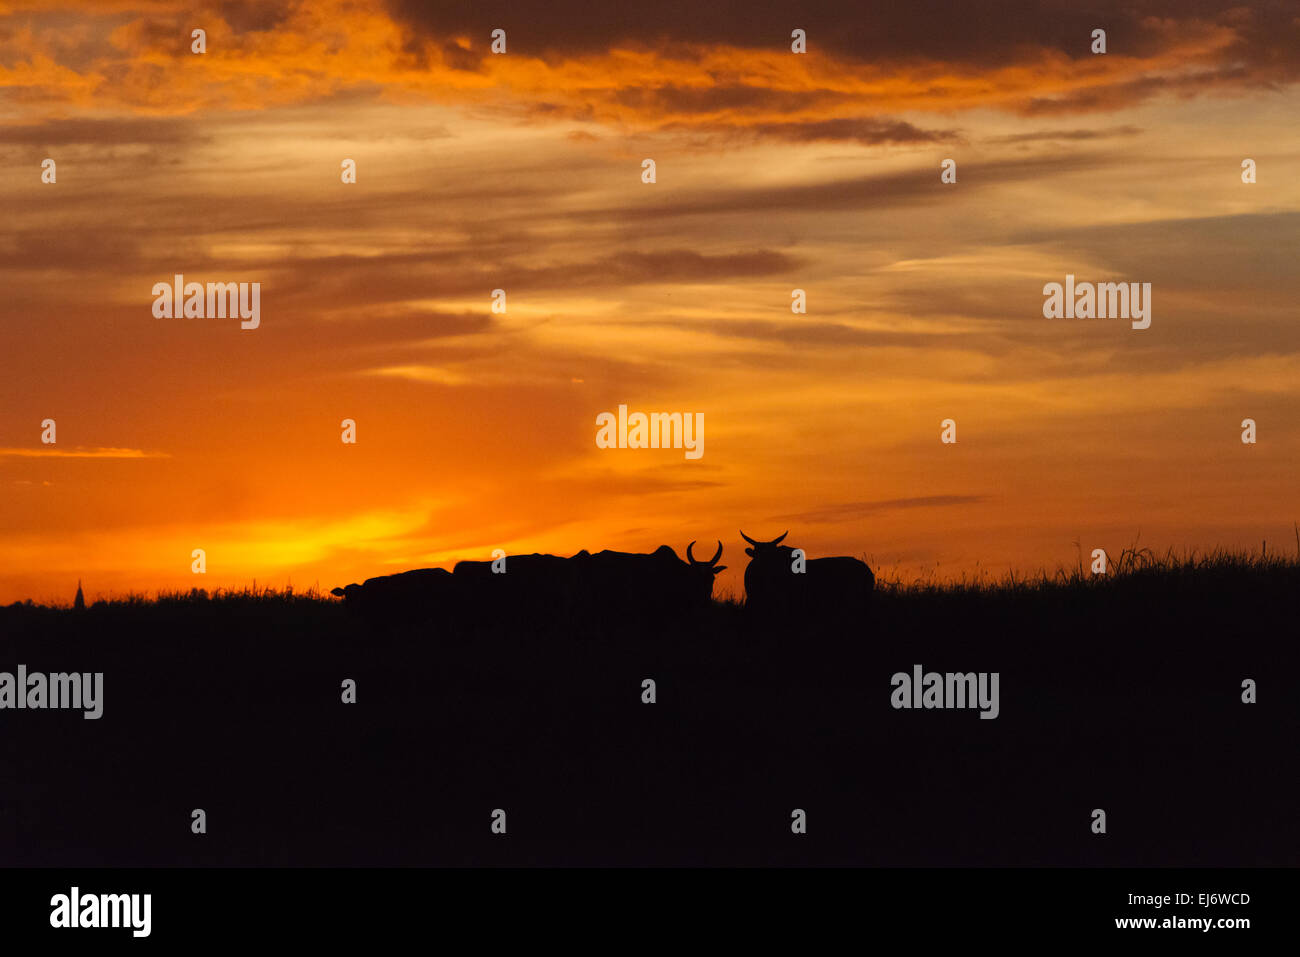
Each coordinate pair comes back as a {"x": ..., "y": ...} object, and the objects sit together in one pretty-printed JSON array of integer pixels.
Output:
[
  {"x": 1132, "y": 568},
  {"x": 1121, "y": 692}
]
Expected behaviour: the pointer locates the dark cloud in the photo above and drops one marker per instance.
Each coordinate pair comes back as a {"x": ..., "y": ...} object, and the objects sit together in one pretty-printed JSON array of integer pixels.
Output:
[
  {"x": 1183, "y": 47},
  {"x": 120, "y": 131},
  {"x": 683, "y": 265},
  {"x": 247, "y": 16},
  {"x": 739, "y": 99},
  {"x": 1266, "y": 31},
  {"x": 1122, "y": 95},
  {"x": 1071, "y": 135},
  {"x": 812, "y": 334},
  {"x": 865, "y": 130},
  {"x": 849, "y": 511},
  {"x": 76, "y": 250},
  {"x": 918, "y": 185},
  {"x": 399, "y": 277},
  {"x": 1251, "y": 253},
  {"x": 921, "y": 28},
  {"x": 670, "y": 98},
  {"x": 459, "y": 58},
  {"x": 374, "y": 283}
]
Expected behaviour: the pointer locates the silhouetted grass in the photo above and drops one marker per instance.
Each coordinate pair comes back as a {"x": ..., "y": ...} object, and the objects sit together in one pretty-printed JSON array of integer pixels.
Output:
[
  {"x": 1121, "y": 691},
  {"x": 1134, "y": 567},
  {"x": 200, "y": 597}
]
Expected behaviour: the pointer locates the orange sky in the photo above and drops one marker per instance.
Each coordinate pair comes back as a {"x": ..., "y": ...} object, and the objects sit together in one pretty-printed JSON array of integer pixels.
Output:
[{"x": 775, "y": 171}]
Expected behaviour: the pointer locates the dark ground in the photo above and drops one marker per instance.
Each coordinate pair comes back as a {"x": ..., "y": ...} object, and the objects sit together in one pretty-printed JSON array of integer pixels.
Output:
[{"x": 1124, "y": 695}]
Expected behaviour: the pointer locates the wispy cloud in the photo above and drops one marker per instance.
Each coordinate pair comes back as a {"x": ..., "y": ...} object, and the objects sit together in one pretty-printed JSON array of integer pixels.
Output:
[
  {"x": 1038, "y": 136},
  {"x": 848, "y": 511},
  {"x": 83, "y": 453},
  {"x": 776, "y": 171}
]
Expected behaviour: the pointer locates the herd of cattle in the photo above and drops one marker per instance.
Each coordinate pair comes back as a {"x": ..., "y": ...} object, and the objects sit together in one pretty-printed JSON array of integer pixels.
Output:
[{"x": 777, "y": 582}]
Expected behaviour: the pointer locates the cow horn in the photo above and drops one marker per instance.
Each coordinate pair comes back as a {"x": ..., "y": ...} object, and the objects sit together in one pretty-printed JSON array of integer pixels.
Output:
[
  {"x": 711, "y": 562},
  {"x": 775, "y": 541}
]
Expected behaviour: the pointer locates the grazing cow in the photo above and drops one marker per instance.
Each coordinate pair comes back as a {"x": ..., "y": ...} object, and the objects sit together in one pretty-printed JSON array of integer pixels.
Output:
[
  {"x": 547, "y": 589},
  {"x": 524, "y": 584},
  {"x": 407, "y": 594},
  {"x": 827, "y": 588},
  {"x": 656, "y": 584}
]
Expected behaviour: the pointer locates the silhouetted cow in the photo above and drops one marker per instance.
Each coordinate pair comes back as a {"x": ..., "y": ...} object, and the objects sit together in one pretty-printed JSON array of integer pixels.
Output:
[
  {"x": 656, "y": 584},
  {"x": 546, "y": 590},
  {"x": 827, "y": 588},
  {"x": 404, "y": 595},
  {"x": 523, "y": 585}
]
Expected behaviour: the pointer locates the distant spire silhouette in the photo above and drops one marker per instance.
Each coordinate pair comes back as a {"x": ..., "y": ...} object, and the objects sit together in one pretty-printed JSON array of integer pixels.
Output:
[{"x": 80, "y": 601}]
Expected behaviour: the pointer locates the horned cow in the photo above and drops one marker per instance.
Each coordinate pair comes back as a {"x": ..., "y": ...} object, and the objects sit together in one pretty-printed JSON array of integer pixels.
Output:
[
  {"x": 655, "y": 584},
  {"x": 827, "y": 588}
]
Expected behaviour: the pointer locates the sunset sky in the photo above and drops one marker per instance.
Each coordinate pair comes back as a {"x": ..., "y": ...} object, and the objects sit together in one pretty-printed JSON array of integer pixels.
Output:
[{"x": 522, "y": 171}]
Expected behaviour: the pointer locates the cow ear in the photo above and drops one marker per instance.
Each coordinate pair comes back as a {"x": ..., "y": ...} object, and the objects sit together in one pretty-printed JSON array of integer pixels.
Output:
[
  {"x": 720, "y": 568},
  {"x": 749, "y": 552},
  {"x": 337, "y": 591}
]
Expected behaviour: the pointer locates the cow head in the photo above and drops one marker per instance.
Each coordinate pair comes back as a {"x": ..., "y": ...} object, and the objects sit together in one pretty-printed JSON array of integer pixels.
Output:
[
  {"x": 711, "y": 564},
  {"x": 701, "y": 575},
  {"x": 760, "y": 550}
]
